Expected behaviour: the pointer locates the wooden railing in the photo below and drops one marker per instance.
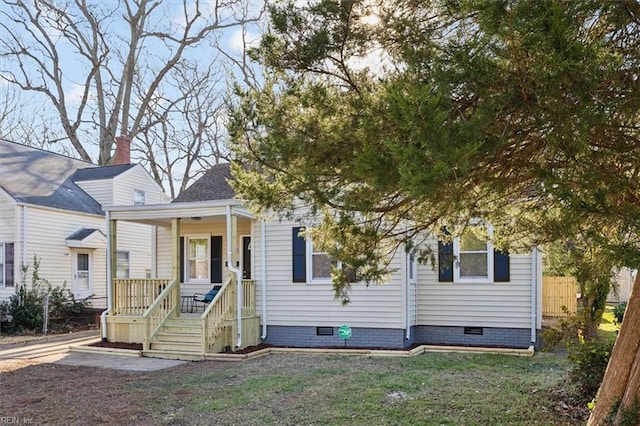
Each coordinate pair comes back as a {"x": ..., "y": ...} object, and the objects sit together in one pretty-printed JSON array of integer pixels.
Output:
[
  {"x": 559, "y": 292},
  {"x": 217, "y": 312},
  {"x": 164, "y": 307},
  {"x": 132, "y": 296},
  {"x": 248, "y": 298}
]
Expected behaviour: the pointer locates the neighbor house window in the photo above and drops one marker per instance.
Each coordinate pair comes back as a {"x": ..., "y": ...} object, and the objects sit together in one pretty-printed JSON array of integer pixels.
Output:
[
  {"x": 197, "y": 267},
  {"x": 122, "y": 264},
  {"x": 139, "y": 197},
  {"x": 2, "y": 273},
  {"x": 6, "y": 265}
]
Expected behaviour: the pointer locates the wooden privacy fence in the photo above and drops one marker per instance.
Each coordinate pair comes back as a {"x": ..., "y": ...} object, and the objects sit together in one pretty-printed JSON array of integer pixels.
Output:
[{"x": 558, "y": 292}]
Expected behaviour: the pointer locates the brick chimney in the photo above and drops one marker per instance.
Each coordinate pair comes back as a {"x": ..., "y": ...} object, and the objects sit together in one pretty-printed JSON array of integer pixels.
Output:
[{"x": 123, "y": 150}]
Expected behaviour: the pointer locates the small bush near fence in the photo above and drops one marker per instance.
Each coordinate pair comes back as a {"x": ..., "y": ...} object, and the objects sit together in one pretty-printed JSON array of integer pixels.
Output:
[
  {"x": 589, "y": 360},
  {"x": 24, "y": 312}
]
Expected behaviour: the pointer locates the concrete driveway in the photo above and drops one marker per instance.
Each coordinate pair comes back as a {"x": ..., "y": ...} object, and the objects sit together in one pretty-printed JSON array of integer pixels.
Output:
[{"x": 58, "y": 349}]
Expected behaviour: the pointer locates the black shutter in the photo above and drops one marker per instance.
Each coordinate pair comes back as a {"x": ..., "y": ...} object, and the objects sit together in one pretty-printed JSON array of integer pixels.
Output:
[
  {"x": 216, "y": 259},
  {"x": 181, "y": 260},
  {"x": 8, "y": 265},
  {"x": 445, "y": 262},
  {"x": 298, "y": 249},
  {"x": 501, "y": 270}
]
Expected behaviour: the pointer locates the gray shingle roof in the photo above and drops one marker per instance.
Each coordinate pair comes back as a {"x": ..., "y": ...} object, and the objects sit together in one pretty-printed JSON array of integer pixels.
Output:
[
  {"x": 97, "y": 173},
  {"x": 82, "y": 233},
  {"x": 40, "y": 177},
  {"x": 213, "y": 185}
]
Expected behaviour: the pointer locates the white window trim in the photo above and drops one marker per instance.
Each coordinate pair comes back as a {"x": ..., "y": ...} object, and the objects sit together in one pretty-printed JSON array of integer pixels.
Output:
[
  {"x": 456, "y": 262},
  {"x": 309, "y": 264},
  {"x": 187, "y": 263}
]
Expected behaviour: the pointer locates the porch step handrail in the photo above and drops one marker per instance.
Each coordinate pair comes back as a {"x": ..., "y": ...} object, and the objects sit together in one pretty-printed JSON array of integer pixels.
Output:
[
  {"x": 216, "y": 313},
  {"x": 165, "y": 306}
]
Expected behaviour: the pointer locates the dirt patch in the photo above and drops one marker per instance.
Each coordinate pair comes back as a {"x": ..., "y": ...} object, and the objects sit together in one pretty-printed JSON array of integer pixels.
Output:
[{"x": 118, "y": 345}]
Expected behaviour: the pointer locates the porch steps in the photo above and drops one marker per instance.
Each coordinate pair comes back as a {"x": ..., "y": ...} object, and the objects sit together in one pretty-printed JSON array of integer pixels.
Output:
[{"x": 179, "y": 337}]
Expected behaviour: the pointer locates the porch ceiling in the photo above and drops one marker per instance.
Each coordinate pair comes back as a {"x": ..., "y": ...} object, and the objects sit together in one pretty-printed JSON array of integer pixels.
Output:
[{"x": 162, "y": 214}]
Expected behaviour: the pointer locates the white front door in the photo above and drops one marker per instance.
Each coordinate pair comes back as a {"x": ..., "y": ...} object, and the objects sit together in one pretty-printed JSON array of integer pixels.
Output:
[{"x": 82, "y": 277}]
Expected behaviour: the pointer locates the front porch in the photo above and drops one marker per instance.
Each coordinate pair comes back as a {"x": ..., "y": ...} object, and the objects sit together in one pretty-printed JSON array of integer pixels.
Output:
[
  {"x": 138, "y": 316},
  {"x": 158, "y": 312}
]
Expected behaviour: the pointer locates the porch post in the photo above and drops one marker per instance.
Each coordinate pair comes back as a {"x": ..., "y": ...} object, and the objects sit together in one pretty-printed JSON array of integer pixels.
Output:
[
  {"x": 112, "y": 262},
  {"x": 175, "y": 250},
  {"x": 175, "y": 260},
  {"x": 232, "y": 258}
]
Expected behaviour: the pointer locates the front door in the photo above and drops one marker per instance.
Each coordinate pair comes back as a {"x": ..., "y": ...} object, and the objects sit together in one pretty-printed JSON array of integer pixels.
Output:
[
  {"x": 246, "y": 258},
  {"x": 82, "y": 285}
]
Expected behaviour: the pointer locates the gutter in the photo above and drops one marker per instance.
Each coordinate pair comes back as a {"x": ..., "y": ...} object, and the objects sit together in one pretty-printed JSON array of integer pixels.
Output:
[
  {"x": 263, "y": 238},
  {"x": 534, "y": 292},
  {"x": 408, "y": 266},
  {"x": 238, "y": 274},
  {"x": 103, "y": 315}
]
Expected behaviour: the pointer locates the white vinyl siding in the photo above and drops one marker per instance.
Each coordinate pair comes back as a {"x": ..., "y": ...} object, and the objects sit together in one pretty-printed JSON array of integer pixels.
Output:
[
  {"x": 136, "y": 240},
  {"x": 135, "y": 178},
  {"x": 100, "y": 190},
  {"x": 503, "y": 304},
  {"x": 46, "y": 233},
  {"x": 299, "y": 304}
]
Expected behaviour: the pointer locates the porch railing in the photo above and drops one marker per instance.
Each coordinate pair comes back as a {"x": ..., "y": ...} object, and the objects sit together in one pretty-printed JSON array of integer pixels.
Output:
[
  {"x": 164, "y": 307},
  {"x": 217, "y": 312},
  {"x": 248, "y": 298},
  {"x": 132, "y": 296}
]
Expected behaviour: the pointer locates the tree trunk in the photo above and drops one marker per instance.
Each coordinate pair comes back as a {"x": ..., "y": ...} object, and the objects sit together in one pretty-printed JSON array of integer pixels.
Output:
[{"x": 620, "y": 387}]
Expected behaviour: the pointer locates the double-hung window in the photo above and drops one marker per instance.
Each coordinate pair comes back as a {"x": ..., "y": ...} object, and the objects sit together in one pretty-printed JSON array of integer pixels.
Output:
[
  {"x": 474, "y": 255},
  {"x": 122, "y": 264},
  {"x": 2, "y": 263},
  {"x": 139, "y": 197},
  {"x": 197, "y": 265},
  {"x": 309, "y": 264},
  {"x": 6, "y": 265},
  {"x": 319, "y": 263},
  {"x": 471, "y": 258}
]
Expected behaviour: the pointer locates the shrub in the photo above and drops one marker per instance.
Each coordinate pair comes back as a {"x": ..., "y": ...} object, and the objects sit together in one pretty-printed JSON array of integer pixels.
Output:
[
  {"x": 618, "y": 312},
  {"x": 589, "y": 360},
  {"x": 25, "y": 308}
]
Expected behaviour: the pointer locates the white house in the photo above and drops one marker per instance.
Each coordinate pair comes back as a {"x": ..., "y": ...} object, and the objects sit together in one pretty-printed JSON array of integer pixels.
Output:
[
  {"x": 51, "y": 206},
  {"x": 275, "y": 288}
]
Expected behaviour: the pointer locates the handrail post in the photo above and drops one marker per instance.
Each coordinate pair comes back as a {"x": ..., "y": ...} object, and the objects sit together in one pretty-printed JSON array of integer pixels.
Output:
[{"x": 146, "y": 330}]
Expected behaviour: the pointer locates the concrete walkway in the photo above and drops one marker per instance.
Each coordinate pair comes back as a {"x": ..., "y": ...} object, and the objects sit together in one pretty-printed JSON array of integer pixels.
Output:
[{"x": 57, "y": 349}]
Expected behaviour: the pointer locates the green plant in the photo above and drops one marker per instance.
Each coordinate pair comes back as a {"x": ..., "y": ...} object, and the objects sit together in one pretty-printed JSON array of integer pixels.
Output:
[
  {"x": 630, "y": 416},
  {"x": 589, "y": 360},
  {"x": 618, "y": 312},
  {"x": 25, "y": 308}
]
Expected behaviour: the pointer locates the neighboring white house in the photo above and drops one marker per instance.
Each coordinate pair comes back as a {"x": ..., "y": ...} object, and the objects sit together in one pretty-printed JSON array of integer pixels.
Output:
[
  {"x": 51, "y": 206},
  {"x": 624, "y": 278},
  {"x": 484, "y": 298}
]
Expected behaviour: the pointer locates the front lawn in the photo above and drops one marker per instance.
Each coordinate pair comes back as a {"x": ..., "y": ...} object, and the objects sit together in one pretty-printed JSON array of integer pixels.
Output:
[{"x": 287, "y": 389}]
